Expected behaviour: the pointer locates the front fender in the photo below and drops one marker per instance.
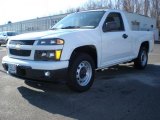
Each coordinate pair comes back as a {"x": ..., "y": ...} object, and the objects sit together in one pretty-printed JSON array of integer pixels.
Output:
[{"x": 73, "y": 41}]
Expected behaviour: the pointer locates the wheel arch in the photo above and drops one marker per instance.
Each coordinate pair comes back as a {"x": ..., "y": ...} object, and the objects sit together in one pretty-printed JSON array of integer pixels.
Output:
[
  {"x": 88, "y": 49},
  {"x": 146, "y": 45},
  {"x": 141, "y": 61}
]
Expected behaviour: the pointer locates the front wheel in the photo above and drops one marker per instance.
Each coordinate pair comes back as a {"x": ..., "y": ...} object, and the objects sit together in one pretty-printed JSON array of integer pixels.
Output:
[
  {"x": 81, "y": 73},
  {"x": 141, "y": 61}
]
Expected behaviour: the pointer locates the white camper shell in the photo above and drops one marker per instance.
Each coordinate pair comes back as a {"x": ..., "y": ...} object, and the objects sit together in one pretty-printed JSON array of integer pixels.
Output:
[{"x": 142, "y": 23}]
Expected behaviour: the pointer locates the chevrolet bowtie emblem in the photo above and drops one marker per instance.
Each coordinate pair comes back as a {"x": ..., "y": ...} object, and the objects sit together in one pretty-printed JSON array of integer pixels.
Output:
[{"x": 18, "y": 46}]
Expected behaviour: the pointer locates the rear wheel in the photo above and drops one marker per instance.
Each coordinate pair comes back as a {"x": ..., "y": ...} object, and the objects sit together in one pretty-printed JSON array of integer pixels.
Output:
[
  {"x": 141, "y": 61},
  {"x": 81, "y": 72}
]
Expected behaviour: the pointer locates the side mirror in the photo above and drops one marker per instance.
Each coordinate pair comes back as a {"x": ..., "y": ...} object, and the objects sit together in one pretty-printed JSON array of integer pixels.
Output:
[{"x": 110, "y": 26}]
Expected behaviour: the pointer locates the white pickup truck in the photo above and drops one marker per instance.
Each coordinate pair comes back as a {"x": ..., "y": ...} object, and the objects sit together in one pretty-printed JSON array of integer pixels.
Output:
[{"x": 77, "y": 46}]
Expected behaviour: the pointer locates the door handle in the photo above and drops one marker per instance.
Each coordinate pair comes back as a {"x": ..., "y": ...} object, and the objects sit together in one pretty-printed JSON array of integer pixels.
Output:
[{"x": 124, "y": 36}]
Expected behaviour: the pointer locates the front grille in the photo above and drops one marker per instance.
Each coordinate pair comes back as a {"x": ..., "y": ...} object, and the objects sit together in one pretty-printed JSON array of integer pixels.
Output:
[
  {"x": 22, "y": 42},
  {"x": 20, "y": 52}
]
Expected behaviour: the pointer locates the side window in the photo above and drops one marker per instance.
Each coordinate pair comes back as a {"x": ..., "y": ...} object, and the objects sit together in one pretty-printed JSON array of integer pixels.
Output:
[{"x": 113, "y": 22}]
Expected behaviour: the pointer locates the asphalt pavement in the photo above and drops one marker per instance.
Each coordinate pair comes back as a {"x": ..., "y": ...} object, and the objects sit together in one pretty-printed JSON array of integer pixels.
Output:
[{"x": 119, "y": 93}]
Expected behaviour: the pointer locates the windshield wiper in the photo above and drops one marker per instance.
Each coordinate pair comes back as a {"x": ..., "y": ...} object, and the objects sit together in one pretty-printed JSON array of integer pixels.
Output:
[
  {"x": 70, "y": 27},
  {"x": 53, "y": 28},
  {"x": 73, "y": 27}
]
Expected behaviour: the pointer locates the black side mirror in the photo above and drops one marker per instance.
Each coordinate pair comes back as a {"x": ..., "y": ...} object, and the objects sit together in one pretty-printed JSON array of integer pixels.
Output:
[{"x": 110, "y": 26}]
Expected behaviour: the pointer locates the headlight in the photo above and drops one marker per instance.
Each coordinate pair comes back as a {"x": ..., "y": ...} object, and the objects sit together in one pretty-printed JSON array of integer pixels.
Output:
[
  {"x": 54, "y": 41},
  {"x": 47, "y": 55}
]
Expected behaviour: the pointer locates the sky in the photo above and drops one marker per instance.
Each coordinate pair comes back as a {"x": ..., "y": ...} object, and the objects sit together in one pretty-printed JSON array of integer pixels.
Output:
[{"x": 18, "y": 10}]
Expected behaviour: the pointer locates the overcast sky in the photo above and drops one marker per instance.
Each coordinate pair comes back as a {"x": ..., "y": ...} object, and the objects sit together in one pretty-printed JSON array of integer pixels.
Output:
[{"x": 17, "y": 10}]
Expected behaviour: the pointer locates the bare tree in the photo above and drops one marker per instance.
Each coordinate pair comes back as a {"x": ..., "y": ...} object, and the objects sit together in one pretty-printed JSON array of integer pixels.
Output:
[
  {"x": 155, "y": 10},
  {"x": 118, "y": 4},
  {"x": 138, "y": 6},
  {"x": 146, "y": 7}
]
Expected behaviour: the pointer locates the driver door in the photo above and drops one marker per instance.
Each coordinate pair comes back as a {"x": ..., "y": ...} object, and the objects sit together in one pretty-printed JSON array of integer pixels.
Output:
[{"x": 116, "y": 43}]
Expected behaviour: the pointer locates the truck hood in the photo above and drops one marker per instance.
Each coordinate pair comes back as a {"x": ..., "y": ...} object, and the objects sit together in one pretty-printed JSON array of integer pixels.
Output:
[{"x": 46, "y": 34}]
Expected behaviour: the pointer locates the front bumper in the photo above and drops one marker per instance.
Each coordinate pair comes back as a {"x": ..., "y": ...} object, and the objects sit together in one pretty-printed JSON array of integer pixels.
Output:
[{"x": 36, "y": 69}]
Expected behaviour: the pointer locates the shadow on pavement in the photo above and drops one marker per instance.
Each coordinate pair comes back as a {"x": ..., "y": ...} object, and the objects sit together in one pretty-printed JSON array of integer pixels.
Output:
[{"x": 120, "y": 93}]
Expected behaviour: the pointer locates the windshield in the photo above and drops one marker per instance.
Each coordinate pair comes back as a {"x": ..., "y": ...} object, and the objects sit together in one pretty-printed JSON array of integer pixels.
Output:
[{"x": 88, "y": 20}]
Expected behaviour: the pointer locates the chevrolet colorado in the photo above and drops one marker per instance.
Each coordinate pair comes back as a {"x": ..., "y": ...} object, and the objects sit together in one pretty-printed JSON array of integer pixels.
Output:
[{"x": 77, "y": 46}]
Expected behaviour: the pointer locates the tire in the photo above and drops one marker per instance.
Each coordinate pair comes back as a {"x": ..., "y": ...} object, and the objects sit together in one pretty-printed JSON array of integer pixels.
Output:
[
  {"x": 141, "y": 61},
  {"x": 81, "y": 72}
]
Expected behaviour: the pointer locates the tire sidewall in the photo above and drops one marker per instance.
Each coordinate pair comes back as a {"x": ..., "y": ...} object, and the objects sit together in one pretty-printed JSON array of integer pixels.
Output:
[
  {"x": 138, "y": 61},
  {"x": 72, "y": 81}
]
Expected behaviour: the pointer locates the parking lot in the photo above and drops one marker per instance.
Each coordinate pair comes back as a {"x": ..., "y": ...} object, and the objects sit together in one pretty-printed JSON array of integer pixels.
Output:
[{"x": 119, "y": 93}]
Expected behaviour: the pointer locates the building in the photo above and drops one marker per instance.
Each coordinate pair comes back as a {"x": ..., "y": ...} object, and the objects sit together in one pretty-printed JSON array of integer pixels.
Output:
[{"x": 32, "y": 25}]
